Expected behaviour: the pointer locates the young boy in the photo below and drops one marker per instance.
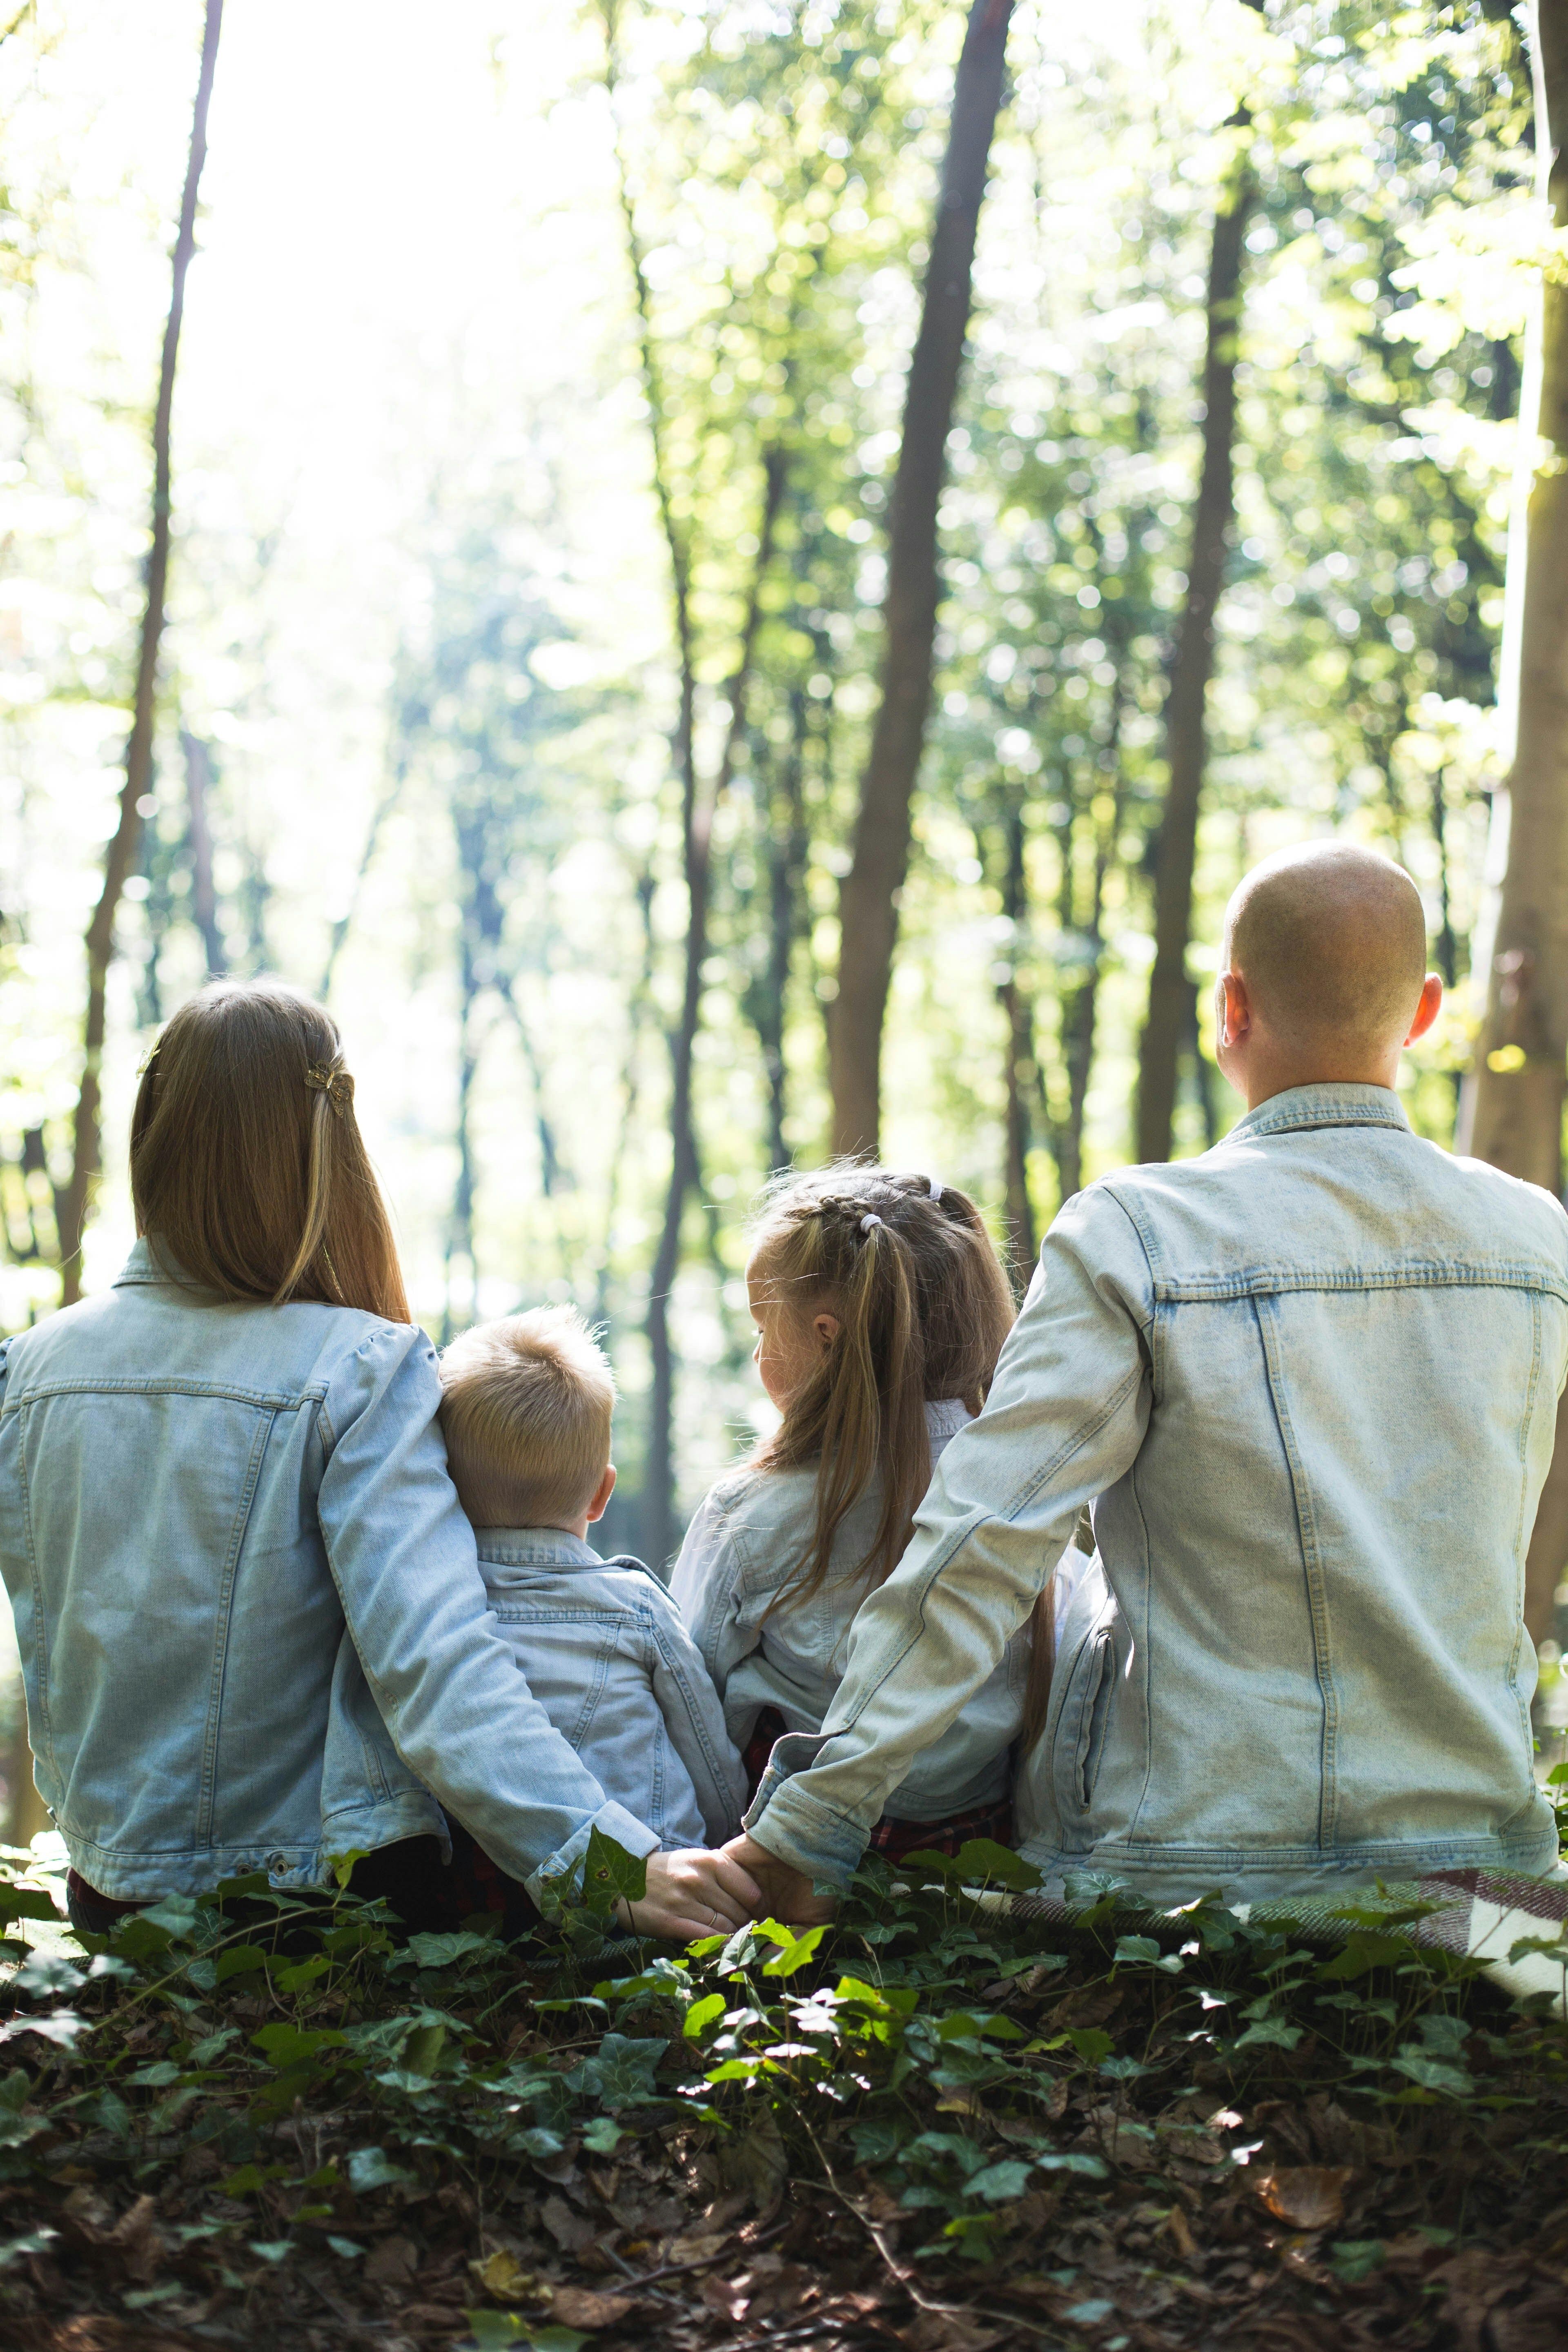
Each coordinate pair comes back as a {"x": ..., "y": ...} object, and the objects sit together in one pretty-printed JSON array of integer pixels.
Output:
[
  {"x": 526, "y": 1414},
  {"x": 1309, "y": 1381}
]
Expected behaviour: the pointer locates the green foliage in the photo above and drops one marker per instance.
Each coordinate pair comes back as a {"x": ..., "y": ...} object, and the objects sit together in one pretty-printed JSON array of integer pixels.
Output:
[{"x": 922, "y": 2053}]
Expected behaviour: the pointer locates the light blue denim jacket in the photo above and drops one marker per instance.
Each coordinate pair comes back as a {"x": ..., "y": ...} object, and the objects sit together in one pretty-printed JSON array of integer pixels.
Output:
[
  {"x": 608, "y": 1657},
  {"x": 253, "y": 1629},
  {"x": 744, "y": 1543},
  {"x": 1311, "y": 1379}
]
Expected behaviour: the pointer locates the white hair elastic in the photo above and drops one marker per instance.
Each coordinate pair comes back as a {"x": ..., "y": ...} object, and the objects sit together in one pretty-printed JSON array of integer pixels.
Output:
[
  {"x": 937, "y": 1187},
  {"x": 871, "y": 1218}
]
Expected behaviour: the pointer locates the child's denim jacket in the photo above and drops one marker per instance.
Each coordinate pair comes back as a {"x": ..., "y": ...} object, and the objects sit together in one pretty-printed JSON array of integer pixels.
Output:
[
  {"x": 608, "y": 1657},
  {"x": 1310, "y": 1383},
  {"x": 253, "y": 1629},
  {"x": 745, "y": 1540}
]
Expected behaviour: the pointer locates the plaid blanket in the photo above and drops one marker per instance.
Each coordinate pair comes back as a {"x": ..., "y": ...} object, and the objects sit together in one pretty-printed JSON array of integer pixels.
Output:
[{"x": 1478, "y": 1915}]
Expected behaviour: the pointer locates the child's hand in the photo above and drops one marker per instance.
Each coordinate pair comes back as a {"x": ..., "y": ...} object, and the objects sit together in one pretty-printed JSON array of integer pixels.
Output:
[
  {"x": 788, "y": 1892},
  {"x": 693, "y": 1893}
]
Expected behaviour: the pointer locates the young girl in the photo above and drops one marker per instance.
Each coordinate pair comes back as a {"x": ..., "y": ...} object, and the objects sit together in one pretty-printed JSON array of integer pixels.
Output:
[
  {"x": 881, "y": 1307},
  {"x": 252, "y": 1624}
]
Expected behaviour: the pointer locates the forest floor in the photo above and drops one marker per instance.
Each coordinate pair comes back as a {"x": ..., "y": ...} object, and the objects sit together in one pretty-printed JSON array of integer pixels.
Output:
[{"x": 249, "y": 2122}]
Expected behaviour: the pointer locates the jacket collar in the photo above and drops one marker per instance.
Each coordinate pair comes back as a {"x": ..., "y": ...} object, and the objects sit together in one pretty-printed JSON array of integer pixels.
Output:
[
  {"x": 534, "y": 1548},
  {"x": 141, "y": 1266},
  {"x": 1321, "y": 1106}
]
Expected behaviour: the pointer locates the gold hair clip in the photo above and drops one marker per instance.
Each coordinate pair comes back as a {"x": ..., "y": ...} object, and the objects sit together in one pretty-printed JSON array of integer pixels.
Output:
[
  {"x": 336, "y": 1084},
  {"x": 148, "y": 1059}
]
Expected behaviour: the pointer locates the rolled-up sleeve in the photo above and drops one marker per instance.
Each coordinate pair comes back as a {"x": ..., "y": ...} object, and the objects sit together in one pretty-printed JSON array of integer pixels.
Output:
[
  {"x": 1065, "y": 1419},
  {"x": 448, "y": 1687}
]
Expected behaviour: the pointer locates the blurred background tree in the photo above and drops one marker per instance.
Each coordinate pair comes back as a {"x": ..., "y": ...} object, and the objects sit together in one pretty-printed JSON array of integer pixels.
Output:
[{"x": 537, "y": 421}]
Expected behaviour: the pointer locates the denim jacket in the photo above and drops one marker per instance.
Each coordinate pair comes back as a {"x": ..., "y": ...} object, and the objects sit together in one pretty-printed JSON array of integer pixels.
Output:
[
  {"x": 1311, "y": 1379},
  {"x": 253, "y": 1629},
  {"x": 605, "y": 1655},
  {"x": 746, "y": 1537}
]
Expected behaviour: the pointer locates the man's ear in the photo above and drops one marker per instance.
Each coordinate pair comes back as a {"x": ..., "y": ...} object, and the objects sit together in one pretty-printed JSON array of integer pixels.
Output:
[
  {"x": 1234, "y": 1008},
  {"x": 1427, "y": 1012},
  {"x": 602, "y": 1493}
]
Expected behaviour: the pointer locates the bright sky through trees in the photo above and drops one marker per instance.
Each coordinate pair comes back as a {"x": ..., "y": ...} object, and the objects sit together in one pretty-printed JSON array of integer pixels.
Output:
[{"x": 420, "y": 605}]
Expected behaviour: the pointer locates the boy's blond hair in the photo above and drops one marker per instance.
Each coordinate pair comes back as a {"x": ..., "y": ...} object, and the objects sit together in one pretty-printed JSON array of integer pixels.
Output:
[{"x": 526, "y": 1411}]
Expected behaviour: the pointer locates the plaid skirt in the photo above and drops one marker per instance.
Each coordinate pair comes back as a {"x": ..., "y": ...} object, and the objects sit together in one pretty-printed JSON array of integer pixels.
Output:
[{"x": 891, "y": 1839}]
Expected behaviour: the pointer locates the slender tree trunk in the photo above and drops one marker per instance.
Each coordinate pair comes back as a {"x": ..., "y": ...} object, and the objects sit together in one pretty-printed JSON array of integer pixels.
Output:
[
  {"x": 1184, "y": 703},
  {"x": 203, "y": 898},
  {"x": 636, "y": 1018},
  {"x": 461, "y": 1227},
  {"x": 659, "y": 1532},
  {"x": 1018, "y": 1045},
  {"x": 1511, "y": 1105},
  {"x": 87, "y": 1156},
  {"x": 787, "y": 849},
  {"x": 869, "y": 896}
]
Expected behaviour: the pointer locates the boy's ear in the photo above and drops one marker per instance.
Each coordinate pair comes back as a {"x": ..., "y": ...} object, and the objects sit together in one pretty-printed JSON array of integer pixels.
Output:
[{"x": 602, "y": 1493}]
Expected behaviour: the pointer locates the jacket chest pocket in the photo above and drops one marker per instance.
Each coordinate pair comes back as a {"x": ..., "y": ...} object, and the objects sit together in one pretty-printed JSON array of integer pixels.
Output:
[{"x": 1085, "y": 1718}]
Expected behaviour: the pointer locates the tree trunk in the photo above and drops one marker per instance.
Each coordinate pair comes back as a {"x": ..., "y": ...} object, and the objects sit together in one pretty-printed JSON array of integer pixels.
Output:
[
  {"x": 1510, "y": 1110},
  {"x": 658, "y": 1527},
  {"x": 869, "y": 896},
  {"x": 1018, "y": 1045},
  {"x": 1166, "y": 1020},
  {"x": 1511, "y": 1113},
  {"x": 87, "y": 1140},
  {"x": 204, "y": 899},
  {"x": 787, "y": 850}
]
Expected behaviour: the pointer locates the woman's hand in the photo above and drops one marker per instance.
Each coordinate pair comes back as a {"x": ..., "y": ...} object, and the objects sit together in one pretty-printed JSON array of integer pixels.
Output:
[
  {"x": 693, "y": 1893},
  {"x": 787, "y": 1893}
]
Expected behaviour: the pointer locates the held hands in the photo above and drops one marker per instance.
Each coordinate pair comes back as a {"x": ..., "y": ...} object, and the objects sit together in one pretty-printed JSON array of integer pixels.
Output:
[
  {"x": 695, "y": 1893},
  {"x": 784, "y": 1893}
]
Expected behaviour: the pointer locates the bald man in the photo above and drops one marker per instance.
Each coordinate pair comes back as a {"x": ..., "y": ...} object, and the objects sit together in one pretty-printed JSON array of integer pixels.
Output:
[{"x": 1308, "y": 1382}]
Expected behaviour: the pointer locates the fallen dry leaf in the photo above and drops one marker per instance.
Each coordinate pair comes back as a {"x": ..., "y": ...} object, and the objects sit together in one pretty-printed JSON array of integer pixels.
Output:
[
  {"x": 391, "y": 2262},
  {"x": 569, "y": 2229},
  {"x": 1306, "y": 2196},
  {"x": 696, "y": 2245},
  {"x": 503, "y": 2278},
  {"x": 948, "y": 2331},
  {"x": 581, "y": 2306}
]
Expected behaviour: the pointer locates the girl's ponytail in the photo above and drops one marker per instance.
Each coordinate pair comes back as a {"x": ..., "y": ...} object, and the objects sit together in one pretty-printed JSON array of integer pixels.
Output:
[{"x": 908, "y": 1271}]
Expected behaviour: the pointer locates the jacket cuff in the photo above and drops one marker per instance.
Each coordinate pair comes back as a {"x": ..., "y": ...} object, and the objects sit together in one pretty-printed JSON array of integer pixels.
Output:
[
  {"x": 612, "y": 1821},
  {"x": 811, "y": 1837}
]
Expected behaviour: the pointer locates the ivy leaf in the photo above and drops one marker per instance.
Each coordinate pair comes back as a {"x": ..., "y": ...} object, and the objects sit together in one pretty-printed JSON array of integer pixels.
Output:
[
  {"x": 34, "y": 2242},
  {"x": 794, "y": 1950},
  {"x": 998, "y": 2182},
  {"x": 611, "y": 1875},
  {"x": 1363, "y": 1952},
  {"x": 1434, "y": 2073},
  {"x": 703, "y": 2013},
  {"x": 1089, "y": 2043},
  {"x": 239, "y": 1961},
  {"x": 602, "y": 2136},
  {"x": 445, "y": 1951},
  {"x": 371, "y": 2168},
  {"x": 61, "y": 2026},
  {"x": 983, "y": 1862},
  {"x": 287, "y": 2045},
  {"x": 24, "y": 1903}
]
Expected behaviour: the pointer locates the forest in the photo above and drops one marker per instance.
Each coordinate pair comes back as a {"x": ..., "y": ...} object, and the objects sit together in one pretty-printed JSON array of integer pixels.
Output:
[{"x": 729, "y": 581}]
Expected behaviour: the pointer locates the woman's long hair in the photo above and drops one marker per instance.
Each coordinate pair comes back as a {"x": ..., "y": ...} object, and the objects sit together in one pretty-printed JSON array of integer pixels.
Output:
[
  {"x": 923, "y": 1305},
  {"x": 248, "y": 1174}
]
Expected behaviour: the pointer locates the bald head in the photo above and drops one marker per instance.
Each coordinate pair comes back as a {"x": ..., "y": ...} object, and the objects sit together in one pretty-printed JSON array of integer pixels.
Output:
[{"x": 1331, "y": 940}]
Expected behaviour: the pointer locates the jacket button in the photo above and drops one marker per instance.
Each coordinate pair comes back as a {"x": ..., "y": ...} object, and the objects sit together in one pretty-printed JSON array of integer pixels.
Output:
[{"x": 277, "y": 1862}]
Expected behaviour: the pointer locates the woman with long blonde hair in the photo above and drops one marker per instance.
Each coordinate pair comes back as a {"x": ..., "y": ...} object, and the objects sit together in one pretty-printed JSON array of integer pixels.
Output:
[{"x": 252, "y": 1624}]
